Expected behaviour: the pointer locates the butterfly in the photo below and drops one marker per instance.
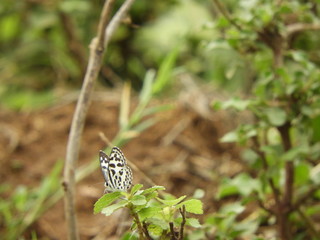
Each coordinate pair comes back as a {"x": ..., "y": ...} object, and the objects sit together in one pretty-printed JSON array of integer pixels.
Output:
[{"x": 116, "y": 172}]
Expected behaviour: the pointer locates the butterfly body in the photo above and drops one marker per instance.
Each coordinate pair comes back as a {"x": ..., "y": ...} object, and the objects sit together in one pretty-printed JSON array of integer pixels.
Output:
[{"x": 116, "y": 172}]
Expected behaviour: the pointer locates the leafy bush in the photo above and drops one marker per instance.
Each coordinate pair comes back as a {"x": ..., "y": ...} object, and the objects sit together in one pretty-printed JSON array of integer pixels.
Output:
[
  {"x": 153, "y": 216},
  {"x": 282, "y": 138}
]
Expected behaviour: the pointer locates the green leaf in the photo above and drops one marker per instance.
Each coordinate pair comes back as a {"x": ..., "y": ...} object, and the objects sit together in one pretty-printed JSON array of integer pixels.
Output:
[
  {"x": 149, "y": 212},
  {"x": 156, "y": 109},
  {"x": 165, "y": 71},
  {"x": 138, "y": 200},
  {"x": 193, "y": 222},
  {"x": 226, "y": 190},
  {"x": 10, "y": 25},
  {"x": 155, "y": 230},
  {"x": 302, "y": 174},
  {"x": 146, "y": 91},
  {"x": 216, "y": 105},
  {"x": 237, "y": 104},
  {"x": 296, "y": 152},
  {"x": 276, "y": 116},
  {"x": 135, "y": 188},
  {"x": 241, "y": 184},
  {"x": 233, "y": 208},
  {"x": 152, "y": 189},
  {"x": 171, "y": 202},
  {"x": 105, "y": 200},
  {"x": 192, "y": 206},
  {"x": 245, "y": 184},
  {"x": 151, "y": 196},
  {"x": 159, "y": 222},
  {"x": 110, "y": 209},
  {"x": 230, "y": 137},
  {"x": 315, "y": 122}
]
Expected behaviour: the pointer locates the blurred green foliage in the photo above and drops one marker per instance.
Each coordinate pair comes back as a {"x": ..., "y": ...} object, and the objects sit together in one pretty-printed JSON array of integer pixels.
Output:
[
  {"x": 243, "y": 46},
  {"x": 21, "y": 207},
  {"x": 152, "y": 214},
  {"x": 281, "y": 141},
  {"x": 43, "y": 45}
]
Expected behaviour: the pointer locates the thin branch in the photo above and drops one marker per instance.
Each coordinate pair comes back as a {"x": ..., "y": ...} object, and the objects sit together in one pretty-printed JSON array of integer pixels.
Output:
[
  {"x": 306, "y": 220},
  {"x": 172, "y": 233},
  {"x": 139, "y": 225},
  {"x": 289, "y": 168},
  {"x": 300, "y": 27},
  {"x": 275, "y": 190},
  {"x": 183, "y": 214},
  {"x": 225, "y": 13},
  {"x": 145, "y": 230},
  {"x": 305, "y": 196},
  {"x": 97, "y": 47},
  {"x": 116, "y": 20},
  {"x": 262, "y": 205}
]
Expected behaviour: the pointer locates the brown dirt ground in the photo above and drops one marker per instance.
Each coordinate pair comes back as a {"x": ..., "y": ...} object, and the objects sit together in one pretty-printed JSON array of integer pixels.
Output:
[{"x": 180, "y": 152}]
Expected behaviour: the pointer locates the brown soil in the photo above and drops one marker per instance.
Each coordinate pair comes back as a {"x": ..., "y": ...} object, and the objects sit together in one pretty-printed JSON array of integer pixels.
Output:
[{"x": 181, "y": 152}]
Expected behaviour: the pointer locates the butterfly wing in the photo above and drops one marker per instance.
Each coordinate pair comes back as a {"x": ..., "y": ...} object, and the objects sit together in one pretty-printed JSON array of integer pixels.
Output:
[
  {"x": 104, "y": 164},
  {"x": 117, "y": 174}
]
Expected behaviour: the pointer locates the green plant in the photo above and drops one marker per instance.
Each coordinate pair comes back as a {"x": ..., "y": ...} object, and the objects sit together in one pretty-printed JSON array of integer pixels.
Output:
[
  {"x": 153, "y": 217},
  {"x": 281, "y": 159},
  {"x": 24, "y": 206}
]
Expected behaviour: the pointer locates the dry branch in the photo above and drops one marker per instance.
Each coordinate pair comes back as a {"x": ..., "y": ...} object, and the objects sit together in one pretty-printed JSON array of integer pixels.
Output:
[{"x": 97, "y": 48}]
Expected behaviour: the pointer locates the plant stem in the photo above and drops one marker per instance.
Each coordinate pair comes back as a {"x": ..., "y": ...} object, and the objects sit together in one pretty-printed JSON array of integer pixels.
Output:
[
  {"x": 183, "y": 214},
  {"x": 173, "y": 235},
  {"x": 284, "y": 211},
  {"x": 309, "y": 224},
  {"x": 97, "y": 48},
  {"x": 139, "y": 225},
  {"x": 96, "y": 54}
]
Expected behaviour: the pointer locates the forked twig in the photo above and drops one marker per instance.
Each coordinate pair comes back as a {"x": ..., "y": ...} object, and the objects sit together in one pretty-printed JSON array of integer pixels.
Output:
[
  {"x": 145, "y": 230},
  {"x": 97, "y": 48},
  {"x": 183, "y": 214}
]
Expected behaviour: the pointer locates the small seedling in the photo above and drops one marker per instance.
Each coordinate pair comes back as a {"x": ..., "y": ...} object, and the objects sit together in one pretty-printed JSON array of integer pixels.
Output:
[{"x": 153, "y": 217}]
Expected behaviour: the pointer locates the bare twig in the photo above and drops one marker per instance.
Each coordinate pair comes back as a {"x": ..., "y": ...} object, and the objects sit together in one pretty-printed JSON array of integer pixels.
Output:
[
  {"x": 263, "y": 206},
  {"x": 275, "y": 190},
  {"x": 300, "y": 27},
  {"x": 183, "y": 214},
  {"x": 288, "y": 185},
  {"x": 97, "y": 47},
  {"x": 139, "y": 225},
  {"x": 96, "y": 54},
  {"x": 116, "y": 20},
  {"x": 145, "y": 230},
  {"x": 172, "y": 233},
  {"x": 305, "y": 196},
  {"x": 306, "y": 220}
]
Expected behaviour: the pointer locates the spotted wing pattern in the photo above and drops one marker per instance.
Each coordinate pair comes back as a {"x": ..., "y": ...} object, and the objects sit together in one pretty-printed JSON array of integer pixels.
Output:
[{"x": 116, "y": 172}]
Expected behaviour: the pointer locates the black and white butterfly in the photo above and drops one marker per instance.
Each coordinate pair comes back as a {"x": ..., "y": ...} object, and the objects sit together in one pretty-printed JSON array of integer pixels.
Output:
[{"x": 116, "y": 172}]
